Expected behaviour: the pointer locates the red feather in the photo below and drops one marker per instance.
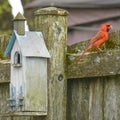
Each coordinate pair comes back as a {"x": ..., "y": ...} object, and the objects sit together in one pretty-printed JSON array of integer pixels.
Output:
[{"x": 98, "y": 40}]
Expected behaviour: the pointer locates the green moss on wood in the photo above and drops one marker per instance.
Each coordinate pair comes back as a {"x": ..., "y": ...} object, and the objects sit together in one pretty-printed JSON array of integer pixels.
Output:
[
  {"x": 75, "y": 50},
  {"x": 51, "y": 11},
  {"x": 20, "y": 17},
  {"x": 4, "y": 40},
  {"x": 52, "y": 23},
  {"x": 112, "y": 43},
  {"x": 2, "y": 56},
  {"x": 96, "y": 64}
]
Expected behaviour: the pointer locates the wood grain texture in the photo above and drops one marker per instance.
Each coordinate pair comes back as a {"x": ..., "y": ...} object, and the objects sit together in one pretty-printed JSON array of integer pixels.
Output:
[
  {"x": 4, "y": 71},
  {"x": 85, "y": 99},
  {"x": 4, "y": 40},
  {"x": 96, "y": 64},
  {"x": 4, "y": 95},
  {"x": 112, "y": 98},
  {"x": 95, "y": 98},
  {"x": 53, "y": 24}
]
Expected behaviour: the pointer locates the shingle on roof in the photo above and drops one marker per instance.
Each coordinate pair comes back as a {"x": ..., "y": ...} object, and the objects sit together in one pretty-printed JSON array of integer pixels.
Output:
[
  {"x": 74, "y": 3},
  {"x": 88, "y": 16},
  {"x": 31, "y": 44}
]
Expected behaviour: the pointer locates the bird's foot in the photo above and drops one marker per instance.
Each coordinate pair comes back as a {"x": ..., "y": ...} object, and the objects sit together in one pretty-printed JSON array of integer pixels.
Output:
[{"x": 100, "y": 50}]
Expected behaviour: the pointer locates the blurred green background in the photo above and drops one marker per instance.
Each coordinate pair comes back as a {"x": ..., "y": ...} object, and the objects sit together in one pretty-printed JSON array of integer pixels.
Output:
[{"x": 6, "y": 16}]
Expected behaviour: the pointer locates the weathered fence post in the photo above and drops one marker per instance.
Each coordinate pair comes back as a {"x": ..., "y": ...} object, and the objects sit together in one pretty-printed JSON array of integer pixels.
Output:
[{"x": 52, "y": 22}]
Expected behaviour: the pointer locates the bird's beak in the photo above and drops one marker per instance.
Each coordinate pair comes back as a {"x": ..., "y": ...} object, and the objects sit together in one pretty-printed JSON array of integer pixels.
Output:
[{"x": 110, "y": 27}]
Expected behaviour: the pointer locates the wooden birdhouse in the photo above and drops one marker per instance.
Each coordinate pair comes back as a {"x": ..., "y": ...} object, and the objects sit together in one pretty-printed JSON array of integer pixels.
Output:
[{"x": 28, "y": 85}]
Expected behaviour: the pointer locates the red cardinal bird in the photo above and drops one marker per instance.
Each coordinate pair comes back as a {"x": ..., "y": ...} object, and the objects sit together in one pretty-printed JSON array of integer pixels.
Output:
[{"x": 98, "y": 40}]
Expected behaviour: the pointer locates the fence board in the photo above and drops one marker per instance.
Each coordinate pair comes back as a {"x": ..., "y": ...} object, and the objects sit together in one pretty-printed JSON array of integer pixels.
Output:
[
  {"x": 4, "y": 39},
  {"x": 85, "y": 99},
  {"x": 112, "y": 98},
  {"x": 4, "y": 71},
  {"x": 5, "y": 118},
  {"x": 4, "y": 95},
  {"x": 78, "y": 100},
  {"x": 52, "y": 23},
  {"x": 94, "y": 98}
]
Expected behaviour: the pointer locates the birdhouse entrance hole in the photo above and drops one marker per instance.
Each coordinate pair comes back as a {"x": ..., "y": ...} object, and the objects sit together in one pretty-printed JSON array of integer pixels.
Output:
[{"x": 17, "y": 58}]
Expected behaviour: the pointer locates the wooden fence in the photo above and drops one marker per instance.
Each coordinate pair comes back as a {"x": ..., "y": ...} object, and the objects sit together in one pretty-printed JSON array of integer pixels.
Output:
[
  {"x": 89, "y": 90},
  {"x": 94, "y": 83}
]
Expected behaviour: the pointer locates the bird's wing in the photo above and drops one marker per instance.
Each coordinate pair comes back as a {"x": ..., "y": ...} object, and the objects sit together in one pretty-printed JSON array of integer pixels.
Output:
[{"x": 99, "y": 36}]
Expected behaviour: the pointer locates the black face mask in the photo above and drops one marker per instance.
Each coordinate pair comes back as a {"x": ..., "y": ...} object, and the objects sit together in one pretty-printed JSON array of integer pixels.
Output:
[{"x": 108, "y": 28}]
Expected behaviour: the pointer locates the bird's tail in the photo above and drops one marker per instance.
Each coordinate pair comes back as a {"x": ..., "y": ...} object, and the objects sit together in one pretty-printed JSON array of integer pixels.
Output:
[{"x": 81, "y": 56}]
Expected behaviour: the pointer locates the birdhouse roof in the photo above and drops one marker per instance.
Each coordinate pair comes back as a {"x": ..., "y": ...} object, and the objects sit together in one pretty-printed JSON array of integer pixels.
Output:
[
  {"x": 19, "y": 17},
  {"x": 31, "y": 44}
]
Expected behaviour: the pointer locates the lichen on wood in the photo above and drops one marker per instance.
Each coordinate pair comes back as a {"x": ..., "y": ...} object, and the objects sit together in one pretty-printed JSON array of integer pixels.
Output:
[
  {"x": 95, "y": 63},
  {"x": 4, "y": 71},
  {"x": 52, "y": 23},
  {"x": 4, "y": 39},
  {"x": 112, "y": 43},
  {"x": 51, "y": 11}
]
